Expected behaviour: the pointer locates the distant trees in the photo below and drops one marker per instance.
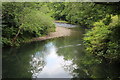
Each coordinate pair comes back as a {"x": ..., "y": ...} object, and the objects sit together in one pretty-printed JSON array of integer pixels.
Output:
[
  {"x": 83, "y": 13},
  {"x": 22, "y": 21}
]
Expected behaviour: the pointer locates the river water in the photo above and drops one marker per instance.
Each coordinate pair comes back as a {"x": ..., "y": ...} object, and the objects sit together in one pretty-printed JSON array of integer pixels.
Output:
[{"x": 56, "y": 58}]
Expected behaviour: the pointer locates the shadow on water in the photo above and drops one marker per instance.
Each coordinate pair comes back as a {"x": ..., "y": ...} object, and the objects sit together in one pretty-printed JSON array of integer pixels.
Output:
[{"x": 56, "y": 58}]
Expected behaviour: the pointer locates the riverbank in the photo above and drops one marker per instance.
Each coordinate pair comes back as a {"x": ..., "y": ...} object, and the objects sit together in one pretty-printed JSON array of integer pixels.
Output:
[{"x": 60, "y": 32}]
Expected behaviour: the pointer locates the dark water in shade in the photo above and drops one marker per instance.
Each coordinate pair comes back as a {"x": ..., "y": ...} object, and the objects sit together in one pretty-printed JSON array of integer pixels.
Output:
[{"x": 56, "y": 58}]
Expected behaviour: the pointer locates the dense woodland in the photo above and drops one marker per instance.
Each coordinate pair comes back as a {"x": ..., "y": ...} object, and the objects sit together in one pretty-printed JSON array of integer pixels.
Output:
[{"x": 26, "y": 20}]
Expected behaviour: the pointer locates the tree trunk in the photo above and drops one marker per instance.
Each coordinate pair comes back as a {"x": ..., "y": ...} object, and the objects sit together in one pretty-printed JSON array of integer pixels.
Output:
[{"x": 14, "y": 39}]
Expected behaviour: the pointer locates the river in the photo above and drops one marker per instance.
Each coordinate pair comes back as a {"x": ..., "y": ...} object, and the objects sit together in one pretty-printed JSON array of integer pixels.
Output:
[{"x": 56, "y": 58}]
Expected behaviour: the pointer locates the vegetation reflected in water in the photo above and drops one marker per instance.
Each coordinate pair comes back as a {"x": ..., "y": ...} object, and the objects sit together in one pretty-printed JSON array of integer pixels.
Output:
[{"x": 57, "y": 58}]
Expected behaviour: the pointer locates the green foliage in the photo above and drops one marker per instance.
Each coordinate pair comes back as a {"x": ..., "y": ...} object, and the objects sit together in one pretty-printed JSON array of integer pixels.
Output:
[
  {"x": 22, "y": 21},
  {"x": 38, "y": 23},
  {"x": 104, "y": 40},
  {"x": 56, "y": 10},
  {"x": 79, "y": 13}
]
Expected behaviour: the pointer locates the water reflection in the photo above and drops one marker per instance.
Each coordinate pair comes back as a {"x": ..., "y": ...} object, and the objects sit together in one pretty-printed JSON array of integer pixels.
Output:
[
  {"x": 58, "y": 58},
  {"x": 37, "y": 64},
  {"x": 54, "y": 63}
]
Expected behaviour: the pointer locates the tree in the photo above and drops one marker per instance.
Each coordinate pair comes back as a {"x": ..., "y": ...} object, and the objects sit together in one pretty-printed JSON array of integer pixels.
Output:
[{"x": 22, "y": 21}]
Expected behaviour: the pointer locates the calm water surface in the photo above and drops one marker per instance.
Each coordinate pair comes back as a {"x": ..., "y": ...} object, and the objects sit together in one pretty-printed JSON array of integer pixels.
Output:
[
  {"x": 56, "y": 58},
  {"x": 66, "y": 25}
]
